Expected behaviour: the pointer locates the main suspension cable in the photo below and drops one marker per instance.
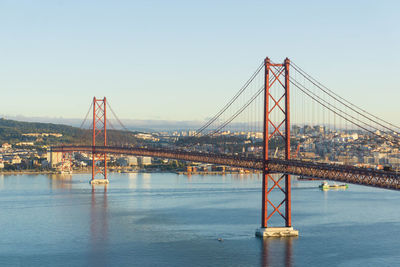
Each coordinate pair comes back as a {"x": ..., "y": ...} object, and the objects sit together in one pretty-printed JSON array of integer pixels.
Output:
[
  {"x": 295, "y": 83},
  {"x": 118, "y": 120},
  {"x": 87, "y": 114},
  {"x": 343, "y": 101},
  {"x": 216, "y": 116}
]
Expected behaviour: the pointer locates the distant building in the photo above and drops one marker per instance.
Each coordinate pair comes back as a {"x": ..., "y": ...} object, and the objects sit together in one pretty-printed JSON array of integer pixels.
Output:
[
  {"x": 132, "y": 161},
  {"x": 144, "y": 160},
  {"x": 192, "y": 133},
  {"x": 354, "y": 136},
  {"x": 144, "y": 136},
  {"x": 16, "y": 160},
  {"x": 6, "y": 146},
  {"x": 295, "y": 130},
  {"x": 82, "y": 163},
  {"x": 127, "y": 161},
  {"x": 54, "y": 158},
  {"x": 319, "y": 129},
  {"x": 25, "y": 144},
  {"x": 307, "y": 129},
  {"x": 42, "y": 134},
  {"x": 45, "y": 164}
]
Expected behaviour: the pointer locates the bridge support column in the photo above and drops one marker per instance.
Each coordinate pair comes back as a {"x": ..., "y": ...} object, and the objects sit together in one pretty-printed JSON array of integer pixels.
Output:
[
  {"x": 100, "y": 133},
  {"x": 276, "y": 121}
]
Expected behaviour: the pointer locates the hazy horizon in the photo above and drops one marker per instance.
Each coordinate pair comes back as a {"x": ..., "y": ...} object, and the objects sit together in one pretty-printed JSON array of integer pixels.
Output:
[{"x": 151, "y": 125}]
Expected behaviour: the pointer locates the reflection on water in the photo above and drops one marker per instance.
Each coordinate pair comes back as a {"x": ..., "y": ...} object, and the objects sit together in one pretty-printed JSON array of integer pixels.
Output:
[
  {"x": 142, "y": 180},
  {"x": 132, "y": 180},
  {"x": 98, "y": 226},
  {"x": 60, "y": 181},
  {"x": 277, "y": 251},
  {"x": 243, "y": 176}
]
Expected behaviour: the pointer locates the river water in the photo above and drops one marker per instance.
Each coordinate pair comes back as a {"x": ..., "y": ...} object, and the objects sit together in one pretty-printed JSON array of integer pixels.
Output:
[{"x": 164, "y": 219}]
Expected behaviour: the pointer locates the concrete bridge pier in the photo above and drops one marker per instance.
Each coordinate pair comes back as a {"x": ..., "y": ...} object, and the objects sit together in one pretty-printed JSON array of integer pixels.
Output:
[
  {"x": 99, "y": 181},
  {"x": 276, "y": 232}
]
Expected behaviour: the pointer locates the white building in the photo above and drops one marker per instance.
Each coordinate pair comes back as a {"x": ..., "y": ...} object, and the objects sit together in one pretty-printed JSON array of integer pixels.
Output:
[
  {"x": 144, "y": 160},
  {"x": 6, "y": 146},
  {"x": 127, "y": 161}
]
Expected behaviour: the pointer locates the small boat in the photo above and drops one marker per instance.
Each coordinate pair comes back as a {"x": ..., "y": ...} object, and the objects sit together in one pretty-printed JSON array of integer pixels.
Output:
[
  {"x": 326, "y": 186},
  {"x": 65, "y": 172}
]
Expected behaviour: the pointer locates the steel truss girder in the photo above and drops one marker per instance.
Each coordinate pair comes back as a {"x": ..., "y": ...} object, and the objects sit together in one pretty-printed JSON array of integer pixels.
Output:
[{"x": 325, "y": 171}]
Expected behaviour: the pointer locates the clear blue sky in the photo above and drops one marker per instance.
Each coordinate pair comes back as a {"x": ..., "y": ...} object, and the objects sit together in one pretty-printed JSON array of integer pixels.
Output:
[{"x": 182, "y": 60}]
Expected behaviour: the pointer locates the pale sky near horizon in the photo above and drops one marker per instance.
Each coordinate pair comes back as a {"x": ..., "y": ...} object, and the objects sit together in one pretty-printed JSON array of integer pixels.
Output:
[{"x": 182, "y": 60}]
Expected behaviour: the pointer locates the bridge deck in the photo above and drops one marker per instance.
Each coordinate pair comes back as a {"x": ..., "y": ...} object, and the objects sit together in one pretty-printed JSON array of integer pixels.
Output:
[{"x": 342, "y": 173}]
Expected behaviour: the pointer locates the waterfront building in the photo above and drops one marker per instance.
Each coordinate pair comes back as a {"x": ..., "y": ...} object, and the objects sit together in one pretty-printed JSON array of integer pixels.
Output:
[{"x": 144, "y": 160}]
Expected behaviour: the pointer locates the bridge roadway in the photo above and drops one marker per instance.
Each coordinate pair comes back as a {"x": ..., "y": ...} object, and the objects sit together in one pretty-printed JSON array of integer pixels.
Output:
[{"x": 325, "y": 171}]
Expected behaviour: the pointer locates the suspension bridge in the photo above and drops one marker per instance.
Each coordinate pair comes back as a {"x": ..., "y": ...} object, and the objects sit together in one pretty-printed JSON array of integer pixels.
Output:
[{"x": 283, "y": 122}]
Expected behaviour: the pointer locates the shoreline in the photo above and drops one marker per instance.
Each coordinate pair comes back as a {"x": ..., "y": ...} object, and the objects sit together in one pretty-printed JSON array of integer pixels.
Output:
[
  {"x": 75, "y": 172},
  {"x": 47, "y": 172},
  {"x": 25, "y": 172}
]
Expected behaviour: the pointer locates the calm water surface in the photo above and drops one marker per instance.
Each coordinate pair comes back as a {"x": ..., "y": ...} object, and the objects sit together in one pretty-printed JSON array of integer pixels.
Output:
[{"x": 170, "y": 220}]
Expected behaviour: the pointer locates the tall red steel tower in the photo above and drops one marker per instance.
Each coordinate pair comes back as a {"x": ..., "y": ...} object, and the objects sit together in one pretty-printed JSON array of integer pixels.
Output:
[
  {"x": 276, "y": 123},
  {"x": 99, "y": 133}
]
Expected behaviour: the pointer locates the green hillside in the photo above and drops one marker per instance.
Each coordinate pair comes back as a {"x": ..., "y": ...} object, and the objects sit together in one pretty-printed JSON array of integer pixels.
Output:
[{"x": 12, "y": 131}]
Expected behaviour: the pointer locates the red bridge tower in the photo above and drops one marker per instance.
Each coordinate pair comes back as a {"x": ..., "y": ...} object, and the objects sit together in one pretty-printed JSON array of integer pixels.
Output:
[
  {"x": 276, "y": 123},
  {"x": 99, "y": 133}
]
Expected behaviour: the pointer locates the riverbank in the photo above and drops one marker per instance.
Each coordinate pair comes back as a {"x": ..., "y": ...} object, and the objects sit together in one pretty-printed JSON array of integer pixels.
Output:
[
  {"x": 26, "y": 172},
  {"x": 215, "y": 172},
  {"x": 20, "y": 172},
  {"x": 83, "y": 171},
  {"x": 88, "y": 171}
]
